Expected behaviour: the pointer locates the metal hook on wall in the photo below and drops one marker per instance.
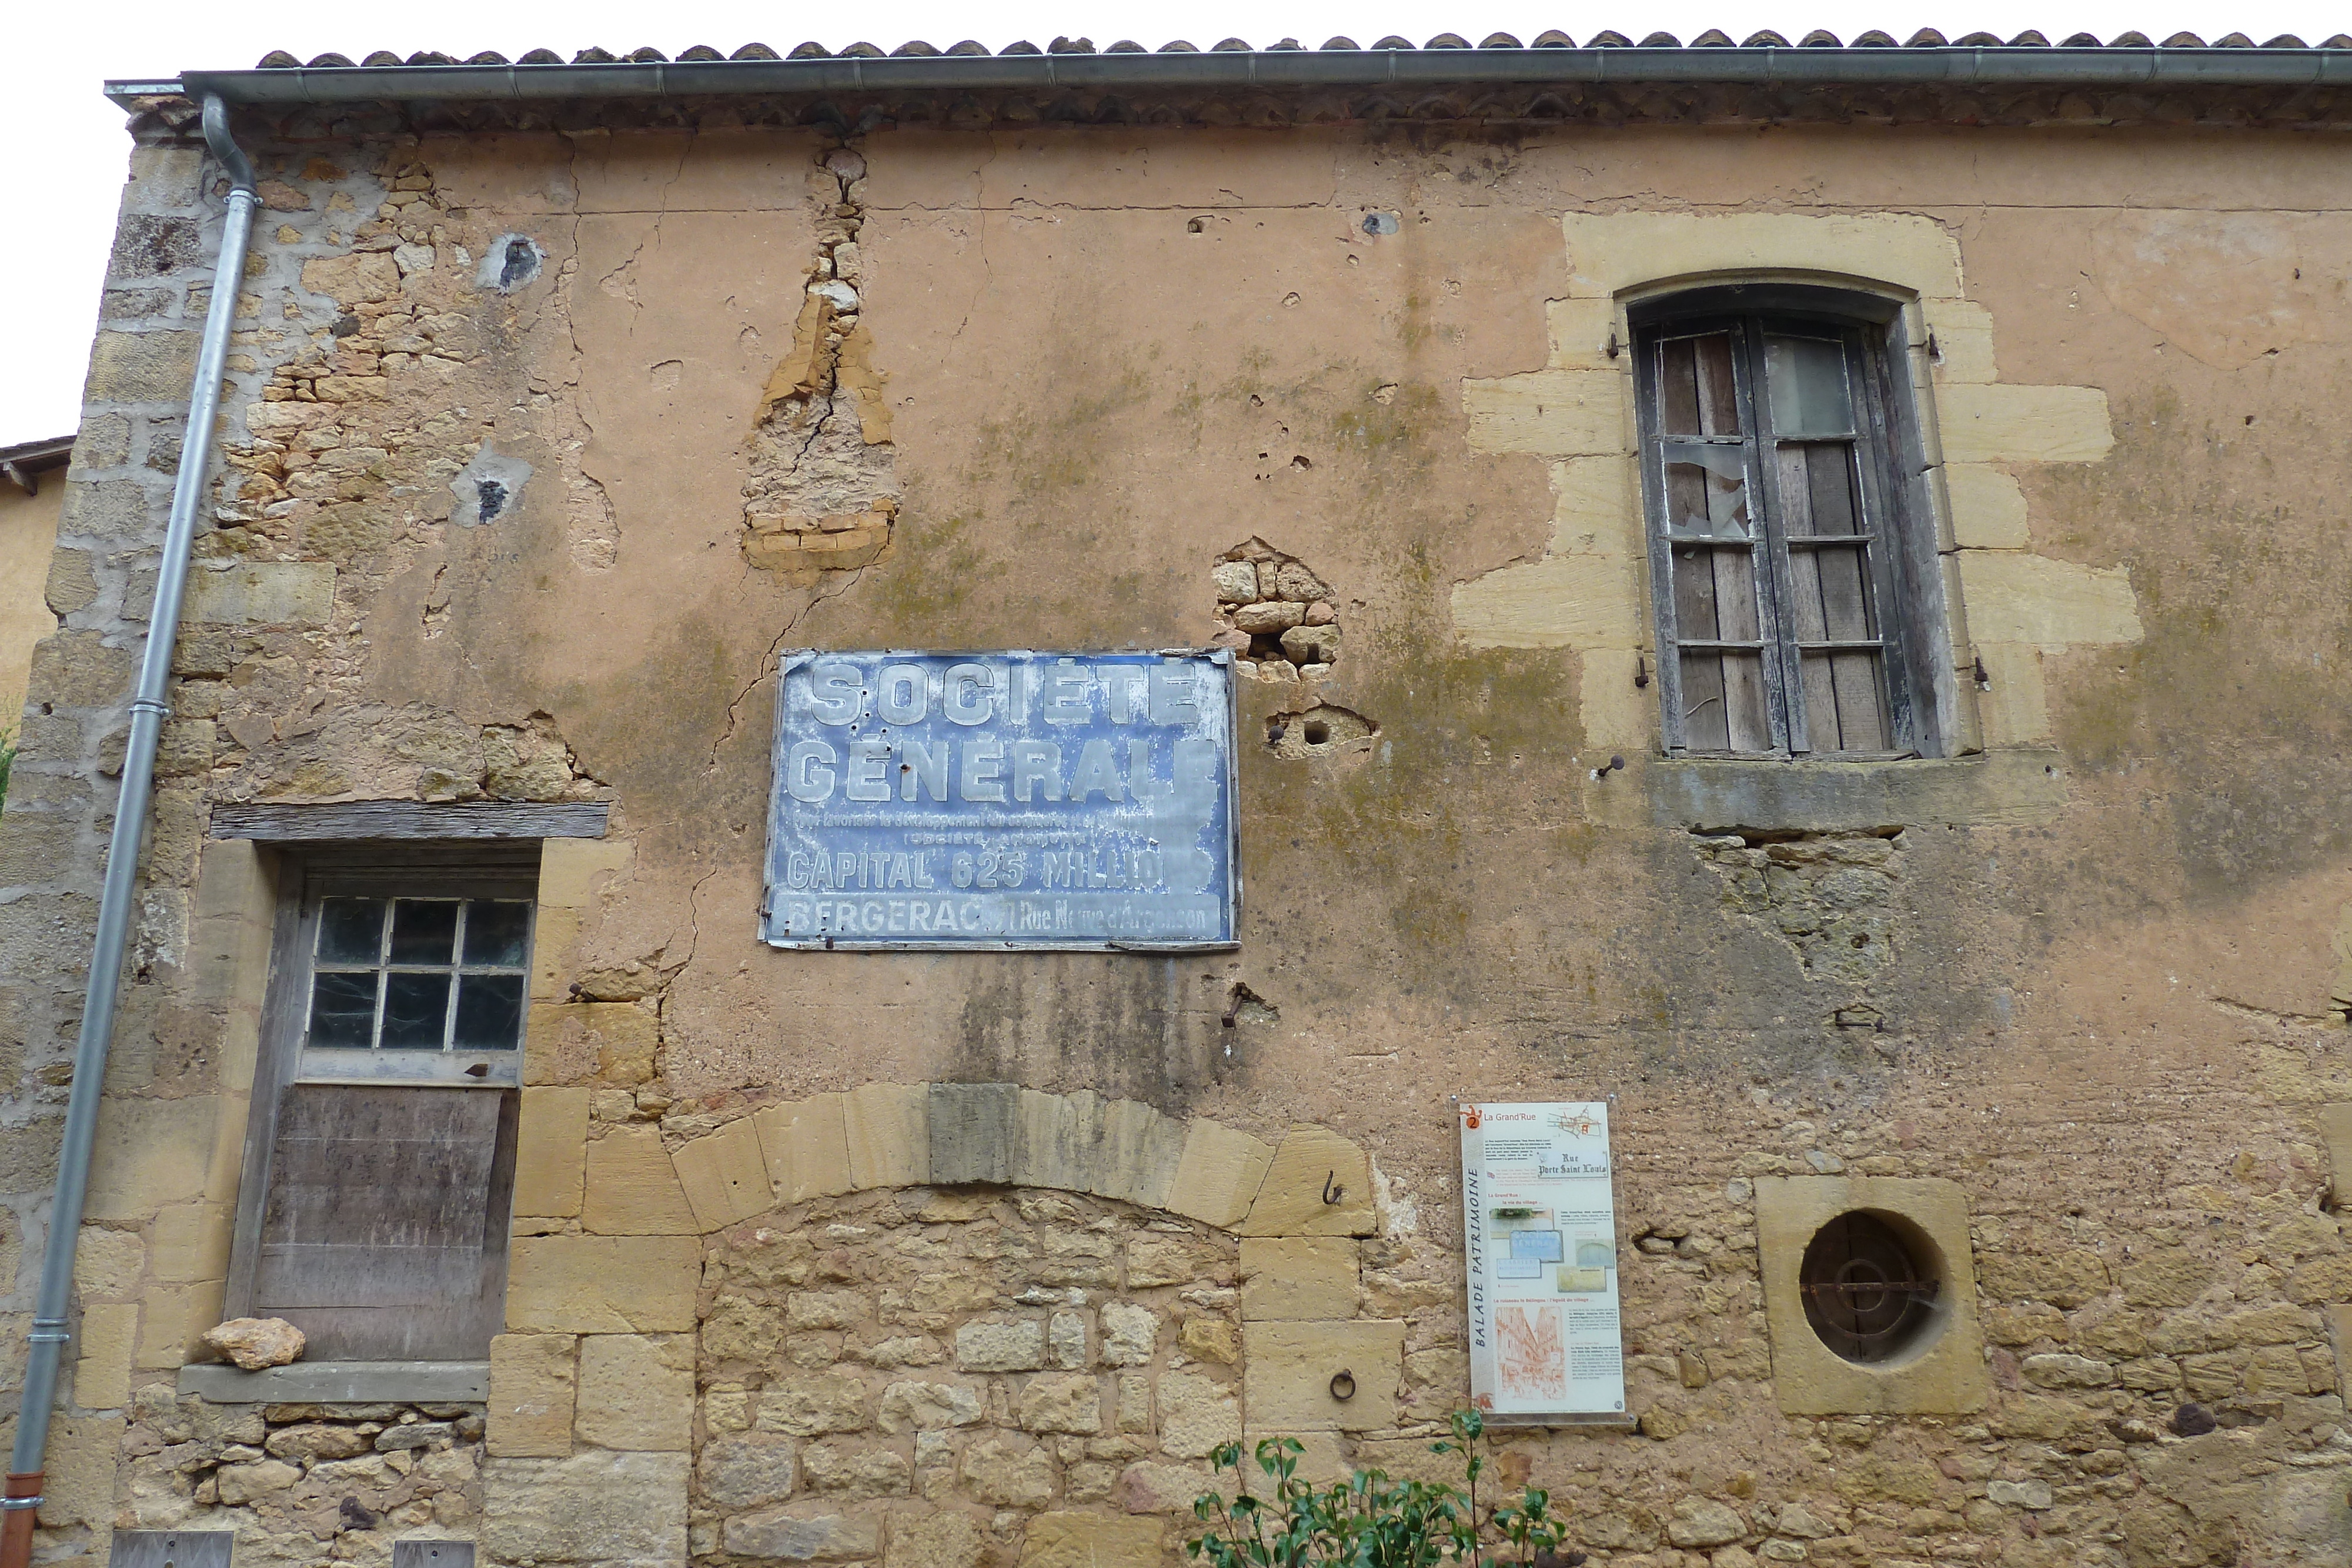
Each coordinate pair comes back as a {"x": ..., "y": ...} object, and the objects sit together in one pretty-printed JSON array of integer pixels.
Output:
[{"x": 1333, "y": 1194}]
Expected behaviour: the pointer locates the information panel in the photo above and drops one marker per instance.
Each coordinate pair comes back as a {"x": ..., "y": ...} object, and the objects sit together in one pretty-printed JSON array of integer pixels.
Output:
[
  {"x": 996, "y": 800},
  {"x": 1541, "y": 1216}
]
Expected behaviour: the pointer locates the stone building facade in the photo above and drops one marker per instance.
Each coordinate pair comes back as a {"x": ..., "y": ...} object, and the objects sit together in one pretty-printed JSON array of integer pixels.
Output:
[{"x": 551, "y": 421}]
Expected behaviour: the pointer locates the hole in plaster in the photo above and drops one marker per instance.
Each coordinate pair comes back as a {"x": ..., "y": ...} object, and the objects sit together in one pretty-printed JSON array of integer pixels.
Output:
[
  {"x": 1245, "y": 1006},
  {"x": 488, "y": 488},
  {"x": 1276, "y": 614},
  {"x": 1381, "y": 223},
  {"x": 1197, "y": 225},
  {"x": 1323, "y": 730},
  {"x": 512, "y": 262}
]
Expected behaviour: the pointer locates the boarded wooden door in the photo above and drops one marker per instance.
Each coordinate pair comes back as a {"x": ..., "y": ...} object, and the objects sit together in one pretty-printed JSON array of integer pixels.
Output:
[{"x": 383, "y": 1237}]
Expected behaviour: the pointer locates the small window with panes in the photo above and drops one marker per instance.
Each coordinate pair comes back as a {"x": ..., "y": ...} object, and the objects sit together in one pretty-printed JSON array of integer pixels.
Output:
[
  {"x": 380, "y": 1148},
  {"x": 1792, "y": 565}
]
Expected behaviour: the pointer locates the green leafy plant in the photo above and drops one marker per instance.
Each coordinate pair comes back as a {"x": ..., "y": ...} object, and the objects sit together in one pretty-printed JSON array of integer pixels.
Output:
[
  {"x": 7, "y": 756},
  {"x": 1370, "y": 1522}
]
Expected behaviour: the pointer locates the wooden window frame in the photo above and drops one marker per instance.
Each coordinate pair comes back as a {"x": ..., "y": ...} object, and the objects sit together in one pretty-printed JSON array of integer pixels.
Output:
[
  {"x": 469, "y": 870},
  {"x": 1893, "y": 513}
]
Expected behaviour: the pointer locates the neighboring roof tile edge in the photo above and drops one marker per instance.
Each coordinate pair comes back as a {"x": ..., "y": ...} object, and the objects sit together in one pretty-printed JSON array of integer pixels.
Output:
[
  {"x": 52, "y": 452},
  {"x": 2025, "y": 61}
]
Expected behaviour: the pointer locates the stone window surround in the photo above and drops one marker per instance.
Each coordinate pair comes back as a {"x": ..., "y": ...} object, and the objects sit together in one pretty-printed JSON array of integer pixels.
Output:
[
  {"x": 2004, "y": 607},
  {"x": 1945, "y": 1376},
  {"x": 165, "y": 1174}
]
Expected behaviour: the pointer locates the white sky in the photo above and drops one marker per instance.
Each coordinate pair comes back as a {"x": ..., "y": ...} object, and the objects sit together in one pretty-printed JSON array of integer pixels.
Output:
[{"x": 67, "y": 147}]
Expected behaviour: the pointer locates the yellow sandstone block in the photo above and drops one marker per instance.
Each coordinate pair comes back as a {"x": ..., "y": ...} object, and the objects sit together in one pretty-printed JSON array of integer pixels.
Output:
[
  {"x": 1988, "y": 507},
  {"x": 170, "y": 1335},
  {"x": 533, "y": 1389},
  {"x": 612, "y": 1043},
  {"x": 551, "y": 1151},
  {"x": 1598, "y": 507},
  {"x": 2017, "y": 598},
  {"x": 1620, "y": 717},
  {"x": 603, "y": 1284},
  {"x": 1076, "y": 1539},
  {"x": 1560, "y": 602},
  {"x": 886, "y": 1128},
  {"x": 637, "y": 1392},
  {"x": 572, "y": 872},
  {"x": 1298, "y": 1277},
  {"x": 2015, "y": 709},
  {"x": 1550, "y": 414},
  {"x": 1614, "y": 251},
  {"x": 1318, "y": 1184},
  {"x": 191, "y": 1241},
  {"x": 149, "y": 1153},
  {"x": 806, "y": 1145},
  {"x": 725, "y": 1176},
  {"x": 1287, "y": 1369},
  {"x": 553, "y": 933},
  {"x": 1218, "y": 1175},
  {"x": 1962, "y": 331},
  {"x": 633, "y": 1190},
  {"x": 1579, "y": 334},
  {"x": 2024, "y": 424},
  {"x": 110, "y": 1333}
]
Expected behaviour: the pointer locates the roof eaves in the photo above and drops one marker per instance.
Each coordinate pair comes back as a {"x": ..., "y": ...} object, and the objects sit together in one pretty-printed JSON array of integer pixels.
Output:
[{"x": 331, "y": 79}]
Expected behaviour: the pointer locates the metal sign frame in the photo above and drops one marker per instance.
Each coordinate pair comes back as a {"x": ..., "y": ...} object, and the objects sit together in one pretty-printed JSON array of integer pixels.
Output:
[
  {"x": 785, "y": 902},
  {"x": 1540, "y": 1254}
]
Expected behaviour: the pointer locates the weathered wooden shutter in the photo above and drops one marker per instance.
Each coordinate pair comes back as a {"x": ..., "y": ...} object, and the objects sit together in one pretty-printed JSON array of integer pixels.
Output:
[{"x": 384, "y": 1233}]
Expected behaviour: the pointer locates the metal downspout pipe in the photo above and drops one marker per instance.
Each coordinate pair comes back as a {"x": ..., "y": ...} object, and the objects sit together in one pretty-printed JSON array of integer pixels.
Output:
[{"x": 48, "y": 1337}]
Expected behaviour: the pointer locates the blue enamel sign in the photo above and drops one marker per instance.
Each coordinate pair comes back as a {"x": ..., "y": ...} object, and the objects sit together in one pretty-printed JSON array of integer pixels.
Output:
[{"x": 999, "y": 801}]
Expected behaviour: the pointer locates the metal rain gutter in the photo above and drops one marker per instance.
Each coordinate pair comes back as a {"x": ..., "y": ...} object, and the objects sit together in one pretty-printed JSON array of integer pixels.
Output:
[
  {"x": 1429, "y": 69},
  {"x": 133, "y": 805}
]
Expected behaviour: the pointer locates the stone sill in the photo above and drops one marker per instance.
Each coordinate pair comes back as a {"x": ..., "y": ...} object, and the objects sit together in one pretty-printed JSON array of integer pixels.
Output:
[
  {"x": 1711, "y": 795},
  {"x": 342, "y": 1383}
]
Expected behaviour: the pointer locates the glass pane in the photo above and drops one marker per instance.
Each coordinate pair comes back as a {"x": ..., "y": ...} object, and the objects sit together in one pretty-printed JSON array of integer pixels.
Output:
[
  {"x": 350, "y": 931},
  {"x": 1805, "y": 380},
  {"x": 423, "y": 931},
  {"x": 343, "y": 1009},
  {"x": 1706, "y": 491},
  {"x": 415, "y": 1012},
  {"x": 490, "y": 1012},
  {"x": 495, "y": 934}
]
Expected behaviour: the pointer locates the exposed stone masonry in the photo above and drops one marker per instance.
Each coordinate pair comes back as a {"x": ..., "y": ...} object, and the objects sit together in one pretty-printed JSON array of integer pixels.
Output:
[
  {"x": 301, "y": 1484},
  {"x": 1831, "y": 896},
  {"x": 821, "y": 496},
  {"x": 1278, "y": 615}
]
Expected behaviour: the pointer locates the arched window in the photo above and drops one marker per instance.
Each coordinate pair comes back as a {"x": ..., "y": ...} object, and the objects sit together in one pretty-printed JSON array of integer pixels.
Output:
[{"x": 1793, "y": 559}]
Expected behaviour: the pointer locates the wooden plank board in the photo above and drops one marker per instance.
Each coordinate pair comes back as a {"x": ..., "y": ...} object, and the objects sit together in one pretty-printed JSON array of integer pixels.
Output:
[
  {"x": 1828, "y": 486},
  {"x": 1746, "y": 712},
  {"x": 347, "y": 821},
  {"x": 1718, "y": 393},
  {"x": 1845, "y": 598},
  {"x": 1705, "y": 728},
  {"x": 1862, "y": 719},
  {"x": 1819, "y": 688},
  {"x": 383, "y": 1219},
  {"x": 1695, "y": 610}
]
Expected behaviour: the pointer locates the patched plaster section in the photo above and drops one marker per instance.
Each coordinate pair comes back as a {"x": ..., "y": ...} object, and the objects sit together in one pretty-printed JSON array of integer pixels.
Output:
[
  {"x": 2004, "y": 606},
  {"x": 823, "y": 492}
]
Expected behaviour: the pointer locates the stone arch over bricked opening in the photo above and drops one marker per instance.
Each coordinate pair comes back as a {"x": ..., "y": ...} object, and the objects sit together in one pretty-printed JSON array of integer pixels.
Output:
[{"x": 711, "y": 1349}]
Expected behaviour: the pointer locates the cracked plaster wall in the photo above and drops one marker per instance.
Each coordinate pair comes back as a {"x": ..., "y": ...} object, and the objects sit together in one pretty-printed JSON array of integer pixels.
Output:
[{"x": 2108, "y": 1018}]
